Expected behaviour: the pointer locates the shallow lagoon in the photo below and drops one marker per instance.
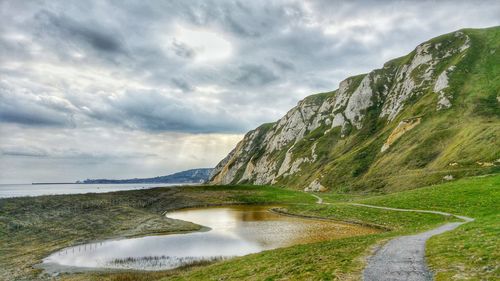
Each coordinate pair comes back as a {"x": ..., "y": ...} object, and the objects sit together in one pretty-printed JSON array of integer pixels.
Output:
[{"x": 230, "y": 231}]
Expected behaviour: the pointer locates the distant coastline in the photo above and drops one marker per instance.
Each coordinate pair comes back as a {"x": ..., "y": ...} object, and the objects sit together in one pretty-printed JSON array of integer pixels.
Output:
[
  {"x": 200, "y": 175},
  {"x": 42, "y": 183}
]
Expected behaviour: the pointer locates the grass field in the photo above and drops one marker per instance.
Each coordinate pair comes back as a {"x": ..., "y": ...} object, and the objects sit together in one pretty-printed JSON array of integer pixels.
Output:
[
  {"x": 470, "y": 252},
  {"x": 31, "y": 228}
]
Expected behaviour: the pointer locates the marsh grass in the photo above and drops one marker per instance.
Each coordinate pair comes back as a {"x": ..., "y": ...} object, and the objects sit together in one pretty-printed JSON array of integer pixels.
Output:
[{"x": 162, "y": 262}]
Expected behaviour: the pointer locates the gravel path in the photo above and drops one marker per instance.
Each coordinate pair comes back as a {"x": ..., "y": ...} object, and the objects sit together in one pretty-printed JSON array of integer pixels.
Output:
[{"x": 403, "y": 258}]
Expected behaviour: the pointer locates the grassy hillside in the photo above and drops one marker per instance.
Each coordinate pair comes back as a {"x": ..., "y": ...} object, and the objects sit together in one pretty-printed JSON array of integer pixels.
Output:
[
  {"x": 458, "y": 141},
  {"x": 471, "y": 252},
  {"x": 466, "y": 133}
]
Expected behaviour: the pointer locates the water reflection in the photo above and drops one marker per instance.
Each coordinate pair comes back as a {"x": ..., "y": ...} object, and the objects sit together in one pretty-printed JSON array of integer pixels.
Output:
[{"x": 235, "y": 231}]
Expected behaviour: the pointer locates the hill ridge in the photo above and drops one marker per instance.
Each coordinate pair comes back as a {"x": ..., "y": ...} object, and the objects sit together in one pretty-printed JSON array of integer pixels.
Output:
[{"x": 342, "y": 139}]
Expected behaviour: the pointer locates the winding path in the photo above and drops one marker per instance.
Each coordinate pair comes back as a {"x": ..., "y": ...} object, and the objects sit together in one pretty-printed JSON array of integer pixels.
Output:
[{"x": 403, "y": 258}]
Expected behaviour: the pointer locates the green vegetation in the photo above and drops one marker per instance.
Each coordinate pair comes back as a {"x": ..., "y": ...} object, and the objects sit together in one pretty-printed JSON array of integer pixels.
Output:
[
  {"x": 332, "y": 260},
  {"x": 472, "y": 252},
  {"x": 34, "y": 227},
  {"x": 461, "y": 141},
  {"x": 458, "y": 142},
  {"x": 395, "y": 221},
  {"x": 461, "y": 134}
]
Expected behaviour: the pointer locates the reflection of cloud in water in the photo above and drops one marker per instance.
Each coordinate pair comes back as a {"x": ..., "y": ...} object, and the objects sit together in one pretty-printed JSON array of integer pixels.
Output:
[{"x": 235, "y": 231}]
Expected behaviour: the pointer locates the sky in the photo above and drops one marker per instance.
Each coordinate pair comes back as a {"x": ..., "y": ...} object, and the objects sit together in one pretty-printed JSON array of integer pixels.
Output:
[{"x": 121, "y": 89}]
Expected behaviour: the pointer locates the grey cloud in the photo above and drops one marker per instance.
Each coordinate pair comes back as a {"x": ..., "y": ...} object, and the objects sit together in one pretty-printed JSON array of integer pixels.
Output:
[
  {"x": 104, "y": 153},
  {"x": 277, "y": 48},
  {"x": 28, "y": 117},
  {"x": 182, "y": 84},
  {"x": 54, "y": 153},
  {"x": 73, "y": 69},
  {"x": 183, "y": 50},
  {"x": 27, "y": 108},
  {"x": 63, "y": 26},
  {"x": 232, "y": 17},
  {"x": 28, "y": 151},
  {"x": 171, "y": 116},
  {"x": 32, "y": 114},
  {"x": 152, "y": 111},
  {"x": 255, "y": 75},
  {"x": 283, "y": 65}
]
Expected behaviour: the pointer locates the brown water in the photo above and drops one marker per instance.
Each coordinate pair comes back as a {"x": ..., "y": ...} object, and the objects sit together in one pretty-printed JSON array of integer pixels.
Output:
[{"x": 234, "y": 231}]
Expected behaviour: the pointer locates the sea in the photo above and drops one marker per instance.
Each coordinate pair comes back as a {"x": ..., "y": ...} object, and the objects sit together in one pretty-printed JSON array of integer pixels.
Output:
[{"x": 21, "y": 190}]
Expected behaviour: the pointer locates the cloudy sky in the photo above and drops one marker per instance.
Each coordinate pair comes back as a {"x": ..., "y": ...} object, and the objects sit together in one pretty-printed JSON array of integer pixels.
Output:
[{"x": 118, "y": 89}]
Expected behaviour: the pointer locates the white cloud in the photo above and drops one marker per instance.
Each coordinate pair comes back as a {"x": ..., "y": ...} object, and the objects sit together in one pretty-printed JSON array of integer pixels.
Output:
[
  {"x": 166, "y": 85},
  {"x": 29, "y": 155},
  {"x": 208, "y": 45}
]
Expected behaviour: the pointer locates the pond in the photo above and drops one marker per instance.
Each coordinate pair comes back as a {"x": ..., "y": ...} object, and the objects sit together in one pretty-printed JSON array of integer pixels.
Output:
[{"x": 230, "y": 231}]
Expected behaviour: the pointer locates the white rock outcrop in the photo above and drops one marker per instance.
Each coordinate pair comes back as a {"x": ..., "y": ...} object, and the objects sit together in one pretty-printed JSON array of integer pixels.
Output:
[
  {"x": 448, "y": 177},
  {"x": 269, "y": 153},
  {"x": 439, "y": 87},
  {"x": 338, "y": 120},
  {"x": 315, "y": 186},
  {"x": 342, "y": 96},
  {"x": 466, "y": 43},
  {"x": 359, "y": 101},
  {"x": 406, "y": 86}
]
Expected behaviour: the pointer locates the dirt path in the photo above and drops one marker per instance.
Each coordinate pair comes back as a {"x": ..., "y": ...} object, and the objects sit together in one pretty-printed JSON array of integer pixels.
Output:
[
  {"x": 403, "y": 258},
  {"x": 319, "y": 200}
]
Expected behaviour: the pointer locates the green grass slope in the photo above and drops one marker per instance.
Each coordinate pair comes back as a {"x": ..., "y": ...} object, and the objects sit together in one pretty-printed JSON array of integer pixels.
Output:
[
  {"x": 466, "y": 133},
  {"x": 471, "y": 252},
  {"x": 461, "y": 141}
]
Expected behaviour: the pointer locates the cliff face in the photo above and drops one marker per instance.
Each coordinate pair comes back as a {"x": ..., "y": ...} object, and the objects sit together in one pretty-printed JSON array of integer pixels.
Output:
[{"x": 396, "y": 127}]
